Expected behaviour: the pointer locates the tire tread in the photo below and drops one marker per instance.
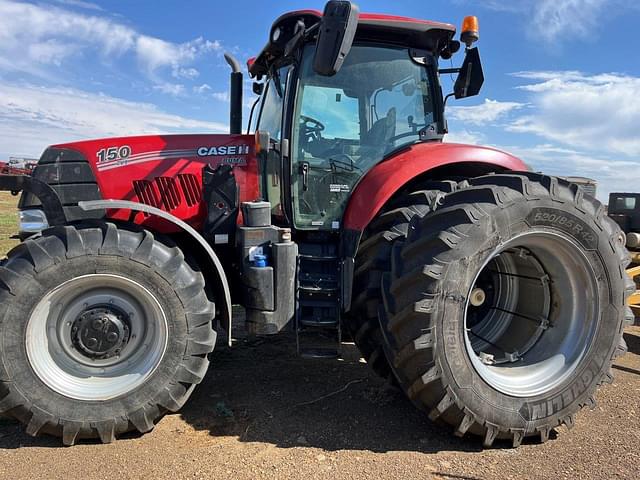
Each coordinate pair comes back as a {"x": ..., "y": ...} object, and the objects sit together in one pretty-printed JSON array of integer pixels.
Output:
[{"x": 107, "y": 239}]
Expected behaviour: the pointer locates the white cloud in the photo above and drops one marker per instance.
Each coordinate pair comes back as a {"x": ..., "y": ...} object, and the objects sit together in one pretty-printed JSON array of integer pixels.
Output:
[
  {"x": 34, "y": 37},
  {"x": 174, "y": 89},
  {"x": 600, "y": 113},
  {"x": 485, "y": 113},
  {"x": 25, "y": 27},
  {"x": 554, "y": 20},
  {"x": 464, "y": 136},
  {"x": 33, "y": 117},
  {"x": 221, "y": 96},
  {"x": 50, "y": 51},
  {"x": 154, "y": 53},
  {"x": 188, "y": 73},
  {"x": 80, "y": 4},
  {"x": 202, "y": 88}
]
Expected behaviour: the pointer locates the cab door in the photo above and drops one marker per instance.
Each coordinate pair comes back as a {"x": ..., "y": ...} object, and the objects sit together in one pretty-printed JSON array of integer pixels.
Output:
[{"x": 270, "y": 120}]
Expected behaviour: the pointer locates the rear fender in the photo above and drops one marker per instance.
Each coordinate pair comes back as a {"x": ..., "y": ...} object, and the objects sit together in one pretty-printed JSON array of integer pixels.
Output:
[
  {"x": 389, "y": 176},
  {"x": 384, "y": 180}
]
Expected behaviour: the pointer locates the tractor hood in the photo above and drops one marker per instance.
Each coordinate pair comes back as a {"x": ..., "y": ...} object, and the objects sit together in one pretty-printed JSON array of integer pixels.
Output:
[
  {"x": 116, "y": 153},
  {"x": 164, "y": 171}
]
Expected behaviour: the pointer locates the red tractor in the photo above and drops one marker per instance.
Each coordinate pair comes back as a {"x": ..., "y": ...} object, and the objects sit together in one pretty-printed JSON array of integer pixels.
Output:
[{"x": 493, "y": 296}]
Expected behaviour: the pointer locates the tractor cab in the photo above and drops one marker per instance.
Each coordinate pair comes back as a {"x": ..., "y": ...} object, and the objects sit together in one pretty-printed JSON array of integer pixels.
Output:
[
  {"x": 340, "y": 93},
  {"x": 330, "y": 117}
]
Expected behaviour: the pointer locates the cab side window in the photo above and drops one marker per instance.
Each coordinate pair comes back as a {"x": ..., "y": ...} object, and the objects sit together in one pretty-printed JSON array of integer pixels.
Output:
[
  {"x": 271, "y": 113},
  {"x": 271, "y": 121}
]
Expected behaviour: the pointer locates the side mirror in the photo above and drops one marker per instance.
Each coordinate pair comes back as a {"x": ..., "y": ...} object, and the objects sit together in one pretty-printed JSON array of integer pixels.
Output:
[
  {"x": 335, "y": 36},
  {"x": 471, "y": 76}
]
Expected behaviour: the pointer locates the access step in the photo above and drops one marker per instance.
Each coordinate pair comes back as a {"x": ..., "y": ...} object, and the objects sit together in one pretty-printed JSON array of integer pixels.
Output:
[{"x": 319, "y": 353}]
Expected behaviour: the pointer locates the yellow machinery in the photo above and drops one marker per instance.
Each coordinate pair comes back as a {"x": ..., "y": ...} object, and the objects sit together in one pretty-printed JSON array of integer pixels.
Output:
[
  {"x": 624, "y": 209},
  {"x": 634, "y": 272}
]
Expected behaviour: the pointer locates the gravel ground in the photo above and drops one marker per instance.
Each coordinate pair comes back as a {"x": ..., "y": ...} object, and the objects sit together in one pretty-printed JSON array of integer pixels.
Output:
[{"x": 253, "y": 418}]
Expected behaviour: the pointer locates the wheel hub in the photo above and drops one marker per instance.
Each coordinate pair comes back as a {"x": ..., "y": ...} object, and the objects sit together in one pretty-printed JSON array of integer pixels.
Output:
[
  {"x": 101, "y": 332},
  {"x": 477, "y": 297},
  {"x": 535, "y": 322}
]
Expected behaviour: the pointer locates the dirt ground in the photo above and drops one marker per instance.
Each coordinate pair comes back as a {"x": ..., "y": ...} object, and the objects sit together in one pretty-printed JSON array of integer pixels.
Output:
[
  {"x": 253, "y": 418},
  {"x": 262, "y": 412}
]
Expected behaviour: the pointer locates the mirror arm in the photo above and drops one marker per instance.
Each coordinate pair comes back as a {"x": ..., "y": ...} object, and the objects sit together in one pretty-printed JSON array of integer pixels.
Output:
[
  {"x": 311, "y": 31},
  {"x": 253, "y": 108},
  {"x": 444, "y": 104},
  {"x": 449, "y": 71},
  {"x": 297, "y": 38}
]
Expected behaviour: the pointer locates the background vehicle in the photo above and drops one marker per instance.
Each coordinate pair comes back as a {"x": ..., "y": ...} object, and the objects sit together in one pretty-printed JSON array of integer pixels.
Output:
[
  {"x": 18, "y": 166},
  {"x": 624, "y": 209},
  {"x": 472, "y": 281}
]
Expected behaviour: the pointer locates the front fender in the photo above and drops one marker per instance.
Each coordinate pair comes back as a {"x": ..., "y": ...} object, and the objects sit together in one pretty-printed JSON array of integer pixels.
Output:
[{"x": 139, "y": 207}]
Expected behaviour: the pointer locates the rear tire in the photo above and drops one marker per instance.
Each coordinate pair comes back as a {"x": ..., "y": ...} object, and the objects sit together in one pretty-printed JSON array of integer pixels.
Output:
[
  {"x": 373, "y": 259},
  {"x": 536, "y": 248},
  {"x": 103, "y": 331}
]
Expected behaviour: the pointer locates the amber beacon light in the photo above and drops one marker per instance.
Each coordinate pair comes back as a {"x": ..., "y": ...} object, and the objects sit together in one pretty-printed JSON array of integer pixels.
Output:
[{"x": 470, "y": 32}]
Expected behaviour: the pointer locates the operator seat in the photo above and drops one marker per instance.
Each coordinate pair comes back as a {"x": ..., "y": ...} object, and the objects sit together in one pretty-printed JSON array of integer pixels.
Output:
[{"x": 381, "y": 131}]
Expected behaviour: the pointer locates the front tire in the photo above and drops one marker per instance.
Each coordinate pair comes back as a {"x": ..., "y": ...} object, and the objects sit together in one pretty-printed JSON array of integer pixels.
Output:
[
  {"x": 103, "y": 331},
  {"x": 505, "y": 307}
]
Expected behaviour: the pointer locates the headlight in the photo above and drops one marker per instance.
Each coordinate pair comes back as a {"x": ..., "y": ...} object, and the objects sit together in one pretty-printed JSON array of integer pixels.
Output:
[{"x": 32, "y": 221}]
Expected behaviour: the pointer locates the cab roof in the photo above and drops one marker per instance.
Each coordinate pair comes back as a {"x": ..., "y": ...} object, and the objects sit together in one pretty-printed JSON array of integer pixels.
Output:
[{"x": 375, "y": 27}]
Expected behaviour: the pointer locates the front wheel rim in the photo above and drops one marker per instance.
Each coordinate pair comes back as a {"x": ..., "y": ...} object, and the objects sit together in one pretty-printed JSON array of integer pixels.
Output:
[
  {"x": 539, "y": 314},
  {"x": 96, "y": 337}
]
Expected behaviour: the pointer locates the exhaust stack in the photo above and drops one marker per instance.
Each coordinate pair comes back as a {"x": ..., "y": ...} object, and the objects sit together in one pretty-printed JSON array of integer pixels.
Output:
[{"x": 235, "y": 95}]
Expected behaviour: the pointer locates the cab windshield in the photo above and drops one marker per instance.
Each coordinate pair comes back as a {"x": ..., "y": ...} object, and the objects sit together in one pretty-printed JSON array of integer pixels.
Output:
[{"x": 379, "y": 101}]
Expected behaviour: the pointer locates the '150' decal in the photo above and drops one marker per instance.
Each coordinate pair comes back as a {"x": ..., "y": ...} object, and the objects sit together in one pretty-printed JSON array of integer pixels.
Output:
[{"x": 113, "y": 153}]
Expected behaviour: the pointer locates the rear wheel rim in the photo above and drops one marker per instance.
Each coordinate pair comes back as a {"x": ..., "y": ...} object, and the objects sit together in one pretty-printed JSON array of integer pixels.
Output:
[
  {"x": 539, "y": 314},
  {"x": 94, "y": 364}
]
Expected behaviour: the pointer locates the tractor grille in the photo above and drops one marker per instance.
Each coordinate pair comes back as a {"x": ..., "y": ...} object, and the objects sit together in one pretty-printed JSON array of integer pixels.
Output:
[
  {"x": 168, "y": 193},
  {"x": 190, "y": 188},
  {"x": 146, "y": 193}
]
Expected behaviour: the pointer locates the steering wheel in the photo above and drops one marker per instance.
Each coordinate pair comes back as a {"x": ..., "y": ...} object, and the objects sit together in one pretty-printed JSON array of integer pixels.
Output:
[{"x": 312, "y": 127}]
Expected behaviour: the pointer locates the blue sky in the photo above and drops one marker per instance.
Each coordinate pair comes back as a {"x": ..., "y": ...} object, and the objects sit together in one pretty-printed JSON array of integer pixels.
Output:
[{"x": 562, "y": 83}]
